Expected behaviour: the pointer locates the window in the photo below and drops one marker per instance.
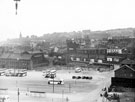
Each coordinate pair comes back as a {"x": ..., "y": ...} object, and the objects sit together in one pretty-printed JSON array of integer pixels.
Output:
[
  {"x": 100, "y": 61},
  {"x": 77, "y": 59},
  {"x": 131, "y": 75},
  {"x": 116, "y": 59},
  {"x": 92, "y": 60},
  {"x": 109, "y": 59},
  {"x": 71, "y": 49},
  {"x": 72, "y": 58}
]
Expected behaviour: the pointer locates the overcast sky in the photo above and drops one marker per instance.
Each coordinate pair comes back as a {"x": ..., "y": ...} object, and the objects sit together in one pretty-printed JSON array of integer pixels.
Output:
[{"x": 37, "y": 17}]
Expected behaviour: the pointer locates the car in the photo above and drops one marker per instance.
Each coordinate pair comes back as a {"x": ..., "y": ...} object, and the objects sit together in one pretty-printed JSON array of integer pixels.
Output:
[
  {"x": 2, "y": 73},
  {"x": 78, "y": 77},
  {"x": 113, "y": 95},
  {"x": 47, "y": 76},
  {"x": 46, "y": 72},
  {"x": 22, "y": 74},
  {"x": 50, "y": 75},
  {"x": 89, "y": 78},
  {"x": 102, "y": 93},
  {"x": 73, "y": 77},
  {"x": 4, "y": 98},
  {"x": 83, "y": 77},
  {"x": 78, "y": 70}
]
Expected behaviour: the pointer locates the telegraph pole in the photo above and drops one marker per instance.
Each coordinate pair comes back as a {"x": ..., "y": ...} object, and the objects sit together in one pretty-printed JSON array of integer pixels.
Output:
[
  {"x": 16, "y": 8},
  {"x": 16, "y": 5},
  {"x": 18, "y": 93},
  {"x": 53, "y": 84},
  {"x": 69, "y": 87},
  {"x": 62, "y": 95}
]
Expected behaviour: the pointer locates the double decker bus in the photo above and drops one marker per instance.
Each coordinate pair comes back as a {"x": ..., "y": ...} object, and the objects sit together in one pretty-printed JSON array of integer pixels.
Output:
[{"x": 56, "y": 81}]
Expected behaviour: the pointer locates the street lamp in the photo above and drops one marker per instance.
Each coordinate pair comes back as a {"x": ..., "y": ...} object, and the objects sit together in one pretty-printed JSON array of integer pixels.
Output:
[
  {"x": 53, "y": 84},
  {"x": 18, "y": 93},
  {"x": 62, "y": 95},
  {"x": 16, "y": 5},
  {"x": 18, "y": 62}
]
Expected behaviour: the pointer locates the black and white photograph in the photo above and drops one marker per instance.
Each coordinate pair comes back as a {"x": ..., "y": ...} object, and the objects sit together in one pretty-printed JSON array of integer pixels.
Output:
[{"x": 67, "y": 50}]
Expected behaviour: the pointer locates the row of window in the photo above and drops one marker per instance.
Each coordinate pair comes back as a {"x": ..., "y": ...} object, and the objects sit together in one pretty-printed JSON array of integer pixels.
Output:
[
  {"x": 85, "y": 60},
  {"x": 93, "y": 60},
  {"x": 113, "y": 59},
  {"x": 118, "y": 51},
  {"x": 91, "y": 51},
  {"x": 13, "y": 63}
]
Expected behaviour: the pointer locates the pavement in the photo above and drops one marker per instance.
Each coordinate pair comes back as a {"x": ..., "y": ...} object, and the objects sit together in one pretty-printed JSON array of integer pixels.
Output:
[{"x": 82, "y": 91}]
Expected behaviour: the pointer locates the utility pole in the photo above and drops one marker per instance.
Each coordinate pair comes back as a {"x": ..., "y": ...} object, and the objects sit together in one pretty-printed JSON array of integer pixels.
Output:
[
  {"x": 53, "y": 84},
  {"x": 69, "y": 87},
  {"x": 18, "y": 93},
  {"x": 16, "y": 5},
  {"x": 62, "y": 95}
]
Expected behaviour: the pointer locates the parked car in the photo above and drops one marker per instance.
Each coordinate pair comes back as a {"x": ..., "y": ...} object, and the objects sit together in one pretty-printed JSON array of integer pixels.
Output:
[
  {"x": 2, "y": 73},
  {"x": 4, "y": 98},
  {"x": 83, "y": 77},
  {"x": 73, "y": 77},
  {"x": 78, "y": 70},
  {"x": 78, "y": 77},
  {"x": 89, "y": 77}
]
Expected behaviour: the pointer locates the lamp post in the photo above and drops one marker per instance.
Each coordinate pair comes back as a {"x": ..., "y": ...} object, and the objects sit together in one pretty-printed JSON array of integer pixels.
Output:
[
  {"x": 69, "y": 87},
  {"x": 62, "y": 95},
  {"x": 16, "y": 5},
  {"x": 18, "y": 62},
  {"x": 18, "y": 93},
  {"x": 53, "y": 84}
]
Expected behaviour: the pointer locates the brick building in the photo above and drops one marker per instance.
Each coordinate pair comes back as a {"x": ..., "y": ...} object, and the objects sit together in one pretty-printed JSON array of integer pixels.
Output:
[
  {"x": 24, "y": 60},
  {"x": 115, "y": 55},
  {"x": 89, "y": 55},
  {"x": 72, "y": 46},
  {"x": 125, "y": 71},
  {"x": 124, "y": 77}
]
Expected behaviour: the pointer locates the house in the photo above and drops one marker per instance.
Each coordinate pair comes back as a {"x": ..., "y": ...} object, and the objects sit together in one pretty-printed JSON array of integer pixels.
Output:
[
  {"x": 125, "y": 71},
  {"x": 72, "y": 46},
  {"x": 115, "y": 55},
  {"x": 128, "y": 62},
  {"x": 89, "y": 55},
  {"x": 124, "y": 78}
]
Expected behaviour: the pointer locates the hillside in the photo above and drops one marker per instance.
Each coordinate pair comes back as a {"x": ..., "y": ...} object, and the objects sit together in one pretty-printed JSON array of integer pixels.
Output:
[{"x": 62, "y": 36}]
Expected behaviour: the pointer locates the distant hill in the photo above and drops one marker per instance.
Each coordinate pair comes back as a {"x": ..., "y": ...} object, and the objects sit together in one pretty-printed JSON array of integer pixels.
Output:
[{"x": 62, "y": 36}]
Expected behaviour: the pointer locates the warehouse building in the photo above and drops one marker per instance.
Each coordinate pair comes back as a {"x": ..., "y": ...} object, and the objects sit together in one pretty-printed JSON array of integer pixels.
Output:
[
  {"x": 24, "y": 60},
  {"x": 124, "y": 77}
]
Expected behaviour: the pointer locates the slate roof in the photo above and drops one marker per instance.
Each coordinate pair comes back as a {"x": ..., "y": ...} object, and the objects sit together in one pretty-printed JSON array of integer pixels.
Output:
[
  {"x": 32, "y": 52},
  {"x": 16, "y": 56},
  {"x": 126, "y": 67},
  {"x": 128, "y": 61}
]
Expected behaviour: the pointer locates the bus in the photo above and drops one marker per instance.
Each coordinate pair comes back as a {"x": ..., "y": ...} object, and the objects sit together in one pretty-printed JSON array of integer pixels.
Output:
[
  {"x": 49, "y": 73},
  {"x": 2, "y": 73},
  {"x": 56, "y": 81},
  {"x": 46, "y": 72},
  {"x": 53, "y": 72},
  {"x": 16, "y": 72}
]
